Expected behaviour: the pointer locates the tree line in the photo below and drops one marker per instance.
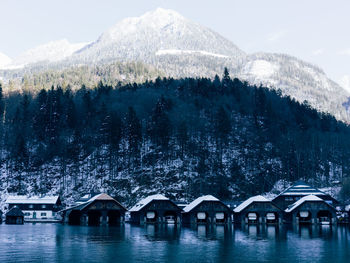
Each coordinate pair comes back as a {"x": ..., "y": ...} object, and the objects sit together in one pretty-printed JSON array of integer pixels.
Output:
[{"x": 182, "y": 137}]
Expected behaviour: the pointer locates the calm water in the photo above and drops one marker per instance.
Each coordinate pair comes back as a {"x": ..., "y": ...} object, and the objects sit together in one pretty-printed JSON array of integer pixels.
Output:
[{"x": 58, "y": 243}]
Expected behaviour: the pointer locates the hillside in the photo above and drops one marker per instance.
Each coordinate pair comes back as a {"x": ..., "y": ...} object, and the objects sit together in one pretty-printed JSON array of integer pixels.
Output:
[
  {"x": 181, "y": 48},
  {"x": 183, "y": 138}
]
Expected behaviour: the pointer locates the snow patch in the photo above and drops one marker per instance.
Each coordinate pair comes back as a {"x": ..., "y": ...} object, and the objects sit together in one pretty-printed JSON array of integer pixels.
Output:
[
  {"x": 260, "y": 68},
  {"x": 302, "y": 200},
  {"x": 4, "y": 61},
  {"x": 182, "y": 52},
  {"x": 199, "y": 200},
  {"x": 246, "y": 203},
  {"x": 141, "y": 204},
  {"x": 344, "y": 82}
]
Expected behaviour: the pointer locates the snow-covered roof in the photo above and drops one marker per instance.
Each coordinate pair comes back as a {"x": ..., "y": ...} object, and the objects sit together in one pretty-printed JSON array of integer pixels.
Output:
[
  {"x": 302, "y": 200},
  {"x": 301, "y": 188},
  {"x": 199, "y": 200},
  {"x": 246, "y": 203},
  {"x": 22, "y": 199},
  {"x": 141, "y": 204}
]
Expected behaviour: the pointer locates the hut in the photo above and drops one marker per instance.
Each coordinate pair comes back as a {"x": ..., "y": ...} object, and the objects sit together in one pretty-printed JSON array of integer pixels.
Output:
[
  {"x": 311, "y": 209},
  {"x": 206, "y": 210},
  {"x": 14, "y": 216},
  {"x": 257, "y": 209},
  {"x": 155, "y": 209},
  {"x": 36, "y": 208},
  {"x": 101, "y": 209},
  {"x": 299, "y": 190}
]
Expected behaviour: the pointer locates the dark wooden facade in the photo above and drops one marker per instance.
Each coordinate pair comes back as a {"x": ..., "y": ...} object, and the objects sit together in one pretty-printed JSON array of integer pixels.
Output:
[
  {"x": 211, "y": 209},
  {"x": 318, "y": 212},
  {"x": 101, "y": 210},
  {"x": 162, "y": 211},
  {"x": 259, "y": 213},
  {"x": 14, "y": 216}
]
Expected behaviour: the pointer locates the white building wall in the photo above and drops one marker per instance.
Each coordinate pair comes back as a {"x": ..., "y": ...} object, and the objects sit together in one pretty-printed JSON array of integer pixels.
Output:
[{"x": 40, "y": 214}]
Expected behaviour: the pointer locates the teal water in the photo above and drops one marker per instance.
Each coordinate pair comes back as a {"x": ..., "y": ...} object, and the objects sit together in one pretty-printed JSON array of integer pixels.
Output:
[{"x": 62, "y": 243}]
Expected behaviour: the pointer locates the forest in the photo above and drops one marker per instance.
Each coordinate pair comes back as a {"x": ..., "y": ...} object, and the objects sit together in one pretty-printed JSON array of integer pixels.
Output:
[{"x": 180, "y": 137}]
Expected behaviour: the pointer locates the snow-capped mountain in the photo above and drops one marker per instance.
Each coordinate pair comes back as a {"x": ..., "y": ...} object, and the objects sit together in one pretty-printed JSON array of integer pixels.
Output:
[
  {"x": 50, "y": 52},
  {"x": 4, "y": 60},
  {"x": 154, "y": 34},
  {"x": 296, "y": 78},
  {"x": 182, "y": 48}
]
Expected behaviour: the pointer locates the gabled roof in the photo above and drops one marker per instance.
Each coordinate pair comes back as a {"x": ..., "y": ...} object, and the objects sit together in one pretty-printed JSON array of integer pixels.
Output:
[
  {"x": 23, "y": 199},
  {"x": 298, "y": 203},
  {"x": 142, "y": 203},
  {"x": 301, "y": 188},
  {"x": 15, "y": 211},
  {"x": 249, "y": 201},
  {"x": 99, "y": 197},
  {"x": 199, "y": 200}
]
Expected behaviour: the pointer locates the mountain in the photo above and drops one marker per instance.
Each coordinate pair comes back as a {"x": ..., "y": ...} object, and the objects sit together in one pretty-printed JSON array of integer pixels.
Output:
[
  {"x": 181, "y": 48},
  {"x": 299, "y": 79},
  {"x": 4, "y": 60},
  {"x": 141, "y": 38},
  {"x": 50, "y": 52}
]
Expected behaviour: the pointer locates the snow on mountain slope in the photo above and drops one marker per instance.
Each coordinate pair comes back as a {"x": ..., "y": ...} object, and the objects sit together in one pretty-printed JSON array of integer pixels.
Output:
[
  {"x": 182, "y": 48},
  {"x": 4, "y": 60},
  {"x": 140, "y": 38},
  {"x": 181, "y": 52},
  {"x": 49, "y": 52},
  {"x": 298, "y": 79}
]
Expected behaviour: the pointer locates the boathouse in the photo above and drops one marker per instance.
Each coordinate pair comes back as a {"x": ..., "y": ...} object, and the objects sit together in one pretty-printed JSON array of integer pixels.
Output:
[
  {"x": 206, "y": 210},
  {"x": 101, "y": 209},
  {"x": 14, "y": 216},
  {"x": 311, "y": 209},
  {"x": 155, "y": 209},
  {"x": 257, "y": 210},
  {"x": 299, "y": 190},
  {"x": 36, "y": 208}
]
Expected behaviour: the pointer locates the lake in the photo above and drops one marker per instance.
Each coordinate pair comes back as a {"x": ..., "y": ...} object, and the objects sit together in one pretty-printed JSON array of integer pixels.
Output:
[{"x": 62, "y": 243}]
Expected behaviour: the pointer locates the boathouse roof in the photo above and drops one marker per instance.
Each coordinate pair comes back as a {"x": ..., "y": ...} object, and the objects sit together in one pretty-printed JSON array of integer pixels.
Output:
[
  {"x": 23, "y": 199},
  {"x": 313, "y": 198},
  {"x": 142, "y": 203},
  {"x": 301, "y": 188},
  {"x": 199, "y": 200},
  {"x": 15, "y": 211},
  {"x": 246, "y": 203}
]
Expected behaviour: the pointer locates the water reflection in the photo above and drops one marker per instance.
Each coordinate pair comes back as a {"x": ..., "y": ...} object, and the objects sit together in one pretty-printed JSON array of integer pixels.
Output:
[{"x": 171, "y": 243}]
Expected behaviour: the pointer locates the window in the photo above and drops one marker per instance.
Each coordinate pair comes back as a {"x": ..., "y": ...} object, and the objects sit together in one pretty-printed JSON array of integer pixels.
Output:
[
  {"x": 31, "y": 206},
  {"x": 26, "y": 214},
  {"x": 43, "y": 214},
  {"x": 43, "y": 206},
  {"x": 289, "y": 198}
]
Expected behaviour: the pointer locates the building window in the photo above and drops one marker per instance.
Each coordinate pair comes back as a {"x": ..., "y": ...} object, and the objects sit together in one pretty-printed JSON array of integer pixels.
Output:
[
  {"x": 26, "y": 214},
  {"x": 43, "y": 214},
  {"x": 31, "y": 206},
  {"x": 43, "y": 206},
  {"x": 289, "y": 198}
]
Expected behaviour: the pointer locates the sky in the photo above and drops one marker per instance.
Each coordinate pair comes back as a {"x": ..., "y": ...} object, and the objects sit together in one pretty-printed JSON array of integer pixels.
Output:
[{"x": 316, "y": 31}]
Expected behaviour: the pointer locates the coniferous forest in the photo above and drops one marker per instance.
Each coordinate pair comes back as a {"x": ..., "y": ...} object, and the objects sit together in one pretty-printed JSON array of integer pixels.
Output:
[{"x": 181, "y": 137}]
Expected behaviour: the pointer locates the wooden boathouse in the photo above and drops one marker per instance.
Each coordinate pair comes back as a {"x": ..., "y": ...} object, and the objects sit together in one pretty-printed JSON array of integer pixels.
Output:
[
  {"x": 299, "y": 190},
  {"x": 311, "y": 209},
  {"x": 155, "y": 209},
  {"x": 101, "y": 209},
  {"x": 258, "y": 210},
  {"x": 206, "y": 210},
  {"x": 14, "y": 216}
]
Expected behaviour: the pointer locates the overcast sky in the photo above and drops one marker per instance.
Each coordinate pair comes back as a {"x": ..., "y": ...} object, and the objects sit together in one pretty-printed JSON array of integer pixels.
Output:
[{"x": 313, "y": 30}]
